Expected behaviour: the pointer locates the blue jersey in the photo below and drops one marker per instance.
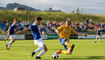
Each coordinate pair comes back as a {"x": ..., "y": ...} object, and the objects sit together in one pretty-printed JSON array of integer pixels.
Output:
[
  {"x": 12, "y": 29},
  {"x": 99, "y": 31},
  {"x": 35, "y": 31}
]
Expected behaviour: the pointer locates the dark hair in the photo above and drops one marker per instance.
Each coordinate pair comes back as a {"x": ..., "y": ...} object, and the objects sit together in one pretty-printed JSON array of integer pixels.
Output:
[
  {"x": 38, "y": 18},
  {"x": 15, "y": 19}
]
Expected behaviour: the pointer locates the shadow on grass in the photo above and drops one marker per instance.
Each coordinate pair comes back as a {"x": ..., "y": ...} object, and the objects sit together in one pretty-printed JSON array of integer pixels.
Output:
[
  {"x": 81, "y": 58},
  {"x": 2, "y": 49}
]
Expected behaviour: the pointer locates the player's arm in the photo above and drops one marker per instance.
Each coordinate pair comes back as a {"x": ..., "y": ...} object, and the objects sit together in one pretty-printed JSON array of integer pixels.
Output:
[
  {"x": 59, "y": 29},
  {"x": 75, "y": 32},
  {"x": 8, "y": 32},
  {"x": 23, "y": 31},
  {"x": 82, "y": 34}
]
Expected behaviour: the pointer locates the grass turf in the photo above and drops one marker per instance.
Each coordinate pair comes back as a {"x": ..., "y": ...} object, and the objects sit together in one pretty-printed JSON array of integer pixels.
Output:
[{"x": 85, "y": 49}]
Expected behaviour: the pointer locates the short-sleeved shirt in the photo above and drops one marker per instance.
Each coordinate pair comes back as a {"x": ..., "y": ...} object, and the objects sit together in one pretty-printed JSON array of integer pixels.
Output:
[
  {"x": 66, "y": 32},
  {"x": 35, "y": 31},
  {"x": 12, "y": 29}
]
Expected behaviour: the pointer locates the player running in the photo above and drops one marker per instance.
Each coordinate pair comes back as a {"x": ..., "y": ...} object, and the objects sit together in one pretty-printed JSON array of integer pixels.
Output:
[
  {"x": 98, "y": 35},
  {"x": 37, "y": 37},
  {"x": 64, "y": 32},
  {"x": 10, "y": 33}
]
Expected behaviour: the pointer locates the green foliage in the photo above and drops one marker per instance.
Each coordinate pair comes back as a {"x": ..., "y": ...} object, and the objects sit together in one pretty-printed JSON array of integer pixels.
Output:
[{"x": 47, "y": 16}]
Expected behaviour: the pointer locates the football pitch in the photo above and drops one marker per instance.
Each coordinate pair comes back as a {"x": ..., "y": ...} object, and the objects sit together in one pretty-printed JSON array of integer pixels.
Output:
[{"x": 85, "y": 49}]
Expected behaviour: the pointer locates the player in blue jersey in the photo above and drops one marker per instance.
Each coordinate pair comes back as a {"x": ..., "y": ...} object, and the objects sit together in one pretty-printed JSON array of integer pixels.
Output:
[
  {"x": 37, "y": 37},
  {"x": 11, "y": 31},
  {"x": 98, "y": 35}
]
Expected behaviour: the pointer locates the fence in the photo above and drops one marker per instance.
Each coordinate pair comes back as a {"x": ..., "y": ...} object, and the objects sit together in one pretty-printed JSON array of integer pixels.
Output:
[{"x": 51, "y": 36}]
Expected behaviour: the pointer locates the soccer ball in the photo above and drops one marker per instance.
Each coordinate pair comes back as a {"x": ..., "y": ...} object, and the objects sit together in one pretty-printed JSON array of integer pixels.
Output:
[{"x": 55, "y": 56}]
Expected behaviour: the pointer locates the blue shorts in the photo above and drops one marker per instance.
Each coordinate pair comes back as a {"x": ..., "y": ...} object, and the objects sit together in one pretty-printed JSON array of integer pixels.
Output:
[{"x": 62, "y": 41}]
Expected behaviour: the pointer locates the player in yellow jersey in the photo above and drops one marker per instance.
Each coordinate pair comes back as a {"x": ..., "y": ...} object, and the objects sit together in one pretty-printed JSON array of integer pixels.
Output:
[
  {"x": 6, "y": 38},
  {"x": 64, "y": 32}
]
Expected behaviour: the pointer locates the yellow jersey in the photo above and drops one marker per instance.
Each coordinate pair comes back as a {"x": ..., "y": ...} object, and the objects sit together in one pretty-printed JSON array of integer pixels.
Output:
[{"x": 66, "y": 32}]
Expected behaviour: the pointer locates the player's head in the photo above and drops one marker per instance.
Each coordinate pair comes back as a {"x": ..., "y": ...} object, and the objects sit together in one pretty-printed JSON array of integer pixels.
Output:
[
  {"x": 15, "y": 21},
  {"x": 67, "y": 22},
  {"x": 99, "y": 26},
  {"x": 38, "y": 20}
]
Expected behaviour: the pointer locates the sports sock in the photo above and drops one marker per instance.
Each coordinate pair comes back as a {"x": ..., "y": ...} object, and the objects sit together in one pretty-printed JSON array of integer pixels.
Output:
[
  {"x": 64, "y": 52},
  {"x": 96, "y": 39},
  {"x": 9, "y": 44},
  {"x": 65, "y": 46},
  {"x": 60, "y": 51},
  {"x": 41, "y": 53},
  {"x": 100, "y": 40}
]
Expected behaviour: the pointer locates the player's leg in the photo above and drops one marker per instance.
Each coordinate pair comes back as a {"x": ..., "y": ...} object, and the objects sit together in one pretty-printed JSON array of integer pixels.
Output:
[
  {"x": 69, "y": 49},
  {"x": 66, "y": 42},
  {"x": 62, "y": 41},
  {"x": 62, "y": 51},
  {"x": 42, "y": 52},
  {"x": 12, "y": 40},
  {"x": 10, "y": 43},
  {"x": 41, "y": 47},
  {"x": 42, "y": 44},
  {"x": 100, "y": 39},
  {"x": 66, "y": 52},
  {"x": 96, "y": 38},
  {"x": 36, "y": 42}
]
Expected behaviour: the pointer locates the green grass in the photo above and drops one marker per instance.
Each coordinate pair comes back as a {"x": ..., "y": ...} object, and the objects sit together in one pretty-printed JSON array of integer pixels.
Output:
[{"x": 85, "y": 49}]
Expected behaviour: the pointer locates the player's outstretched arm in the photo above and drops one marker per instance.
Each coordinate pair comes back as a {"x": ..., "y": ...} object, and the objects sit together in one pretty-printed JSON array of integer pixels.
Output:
[
  {"x": 57, "y": 31},
  {"x": 22, "y": 31},
  {"x": 82, "y": 34}
]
